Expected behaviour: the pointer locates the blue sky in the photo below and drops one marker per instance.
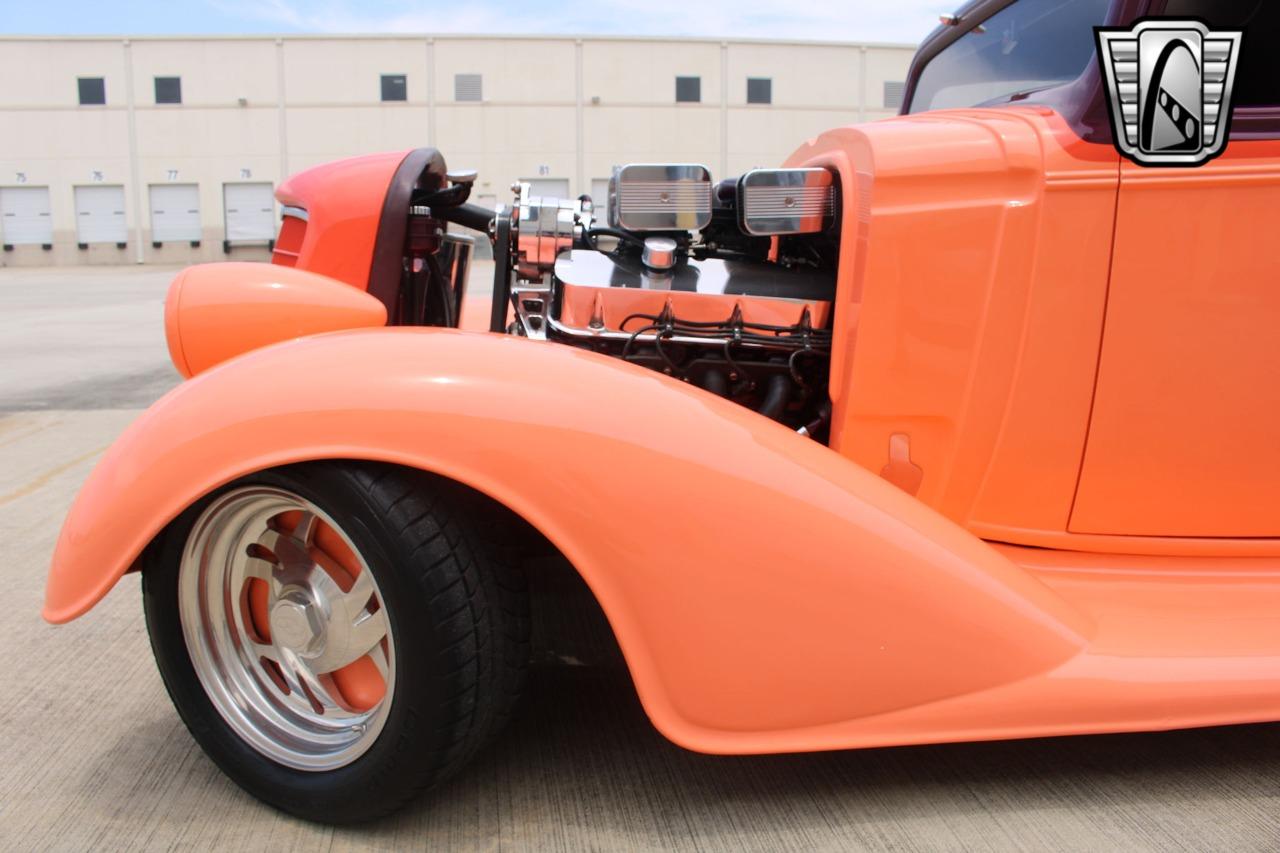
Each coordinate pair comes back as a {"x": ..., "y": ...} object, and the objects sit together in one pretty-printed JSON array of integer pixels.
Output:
[{"x": 853, "y": 20}]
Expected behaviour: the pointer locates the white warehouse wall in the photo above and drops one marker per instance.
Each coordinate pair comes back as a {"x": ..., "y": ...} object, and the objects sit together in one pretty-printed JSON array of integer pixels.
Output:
[{"x": 256, "y": 109}]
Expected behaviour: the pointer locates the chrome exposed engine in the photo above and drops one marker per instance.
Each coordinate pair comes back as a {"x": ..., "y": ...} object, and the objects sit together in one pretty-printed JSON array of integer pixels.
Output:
[{"x": 726, "y": 286}]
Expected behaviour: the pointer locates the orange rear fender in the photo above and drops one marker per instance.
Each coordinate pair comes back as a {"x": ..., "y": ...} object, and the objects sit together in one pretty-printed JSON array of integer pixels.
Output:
[{"x": 760, "y": 585}]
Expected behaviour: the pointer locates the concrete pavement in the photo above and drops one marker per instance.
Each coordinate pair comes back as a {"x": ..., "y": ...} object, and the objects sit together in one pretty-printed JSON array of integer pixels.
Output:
[{"x": 93, "y": 756}]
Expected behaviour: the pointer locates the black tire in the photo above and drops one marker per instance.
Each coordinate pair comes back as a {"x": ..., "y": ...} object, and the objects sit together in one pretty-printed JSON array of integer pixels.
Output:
[{"x": 458, "y": 614}]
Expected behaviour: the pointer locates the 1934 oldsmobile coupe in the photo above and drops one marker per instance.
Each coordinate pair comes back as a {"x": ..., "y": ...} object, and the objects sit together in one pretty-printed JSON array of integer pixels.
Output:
[{"x": 958, "y": 426}]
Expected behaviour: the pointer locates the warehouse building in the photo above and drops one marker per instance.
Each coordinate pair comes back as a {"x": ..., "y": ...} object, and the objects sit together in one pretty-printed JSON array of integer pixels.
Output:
[{"x": 168, "y": 150}]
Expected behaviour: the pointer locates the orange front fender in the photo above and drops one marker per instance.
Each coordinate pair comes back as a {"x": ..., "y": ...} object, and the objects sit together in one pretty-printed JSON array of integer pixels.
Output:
[{"x": 760, "y": 585}]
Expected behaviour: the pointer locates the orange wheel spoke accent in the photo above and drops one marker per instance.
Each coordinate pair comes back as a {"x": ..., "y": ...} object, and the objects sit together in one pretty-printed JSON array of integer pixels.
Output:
[{"x": 360, "y": 682}]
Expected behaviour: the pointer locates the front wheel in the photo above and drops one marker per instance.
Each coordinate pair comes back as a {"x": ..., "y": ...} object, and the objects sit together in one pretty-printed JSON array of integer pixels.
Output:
[{"x": 338, "y": 637}]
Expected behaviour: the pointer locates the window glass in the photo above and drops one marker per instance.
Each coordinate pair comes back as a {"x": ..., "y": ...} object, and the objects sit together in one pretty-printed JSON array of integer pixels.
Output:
[
  {"x": 759, "y": 90},
  {"x": 688, "y": 89},
  {"x": 1031, "y": 45},
  {"x": 168, "y": 90},
  {"x": 1257, "y": 81},
  {"x": 93, "y": 90},
  {"x": 395, "y": 87}
]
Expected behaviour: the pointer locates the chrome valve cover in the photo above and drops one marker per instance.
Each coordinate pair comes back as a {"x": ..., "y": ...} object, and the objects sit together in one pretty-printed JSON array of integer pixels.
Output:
[
  {"x": 785, "y": 201},
  {"x": 660, "y": 197}
]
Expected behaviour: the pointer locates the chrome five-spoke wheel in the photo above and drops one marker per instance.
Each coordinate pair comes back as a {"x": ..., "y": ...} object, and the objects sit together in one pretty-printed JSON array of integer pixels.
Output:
[{"x": 286, "y": 628}]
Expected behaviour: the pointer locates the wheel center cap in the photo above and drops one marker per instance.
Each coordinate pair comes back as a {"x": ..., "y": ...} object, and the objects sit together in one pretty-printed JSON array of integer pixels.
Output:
[{"x": 296, "y": 625}]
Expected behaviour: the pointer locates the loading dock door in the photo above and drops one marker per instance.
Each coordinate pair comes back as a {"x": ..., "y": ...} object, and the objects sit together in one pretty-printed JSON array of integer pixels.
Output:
[
  {"x": 548, "y": 187},
  {"x": 25, "y": 217},
  {"x": 250, "y": 211},
  {"x": 600, "y": 195},
  {"x": 100, "y": 215},
  {"x": 175, "y": 213}
]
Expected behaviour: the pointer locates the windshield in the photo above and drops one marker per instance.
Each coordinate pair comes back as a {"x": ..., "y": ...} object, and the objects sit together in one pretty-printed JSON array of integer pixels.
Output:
[{"x": 1031, "y": 45}]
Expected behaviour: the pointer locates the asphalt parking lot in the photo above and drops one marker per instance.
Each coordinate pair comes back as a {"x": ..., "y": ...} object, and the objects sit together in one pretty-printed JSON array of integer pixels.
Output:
[{"x": 93, "y": 756}]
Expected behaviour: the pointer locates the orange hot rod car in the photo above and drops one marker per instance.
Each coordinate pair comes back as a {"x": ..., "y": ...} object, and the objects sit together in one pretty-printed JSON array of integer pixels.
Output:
[{"x": 959, "y": 426}]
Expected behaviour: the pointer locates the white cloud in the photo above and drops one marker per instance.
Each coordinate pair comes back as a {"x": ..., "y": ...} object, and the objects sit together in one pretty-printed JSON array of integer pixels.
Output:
[{"x": 855, "y": 20}]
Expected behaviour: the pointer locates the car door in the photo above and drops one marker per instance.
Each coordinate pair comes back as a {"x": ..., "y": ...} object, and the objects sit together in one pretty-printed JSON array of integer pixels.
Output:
[{"x": 1184, "y": 438}]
